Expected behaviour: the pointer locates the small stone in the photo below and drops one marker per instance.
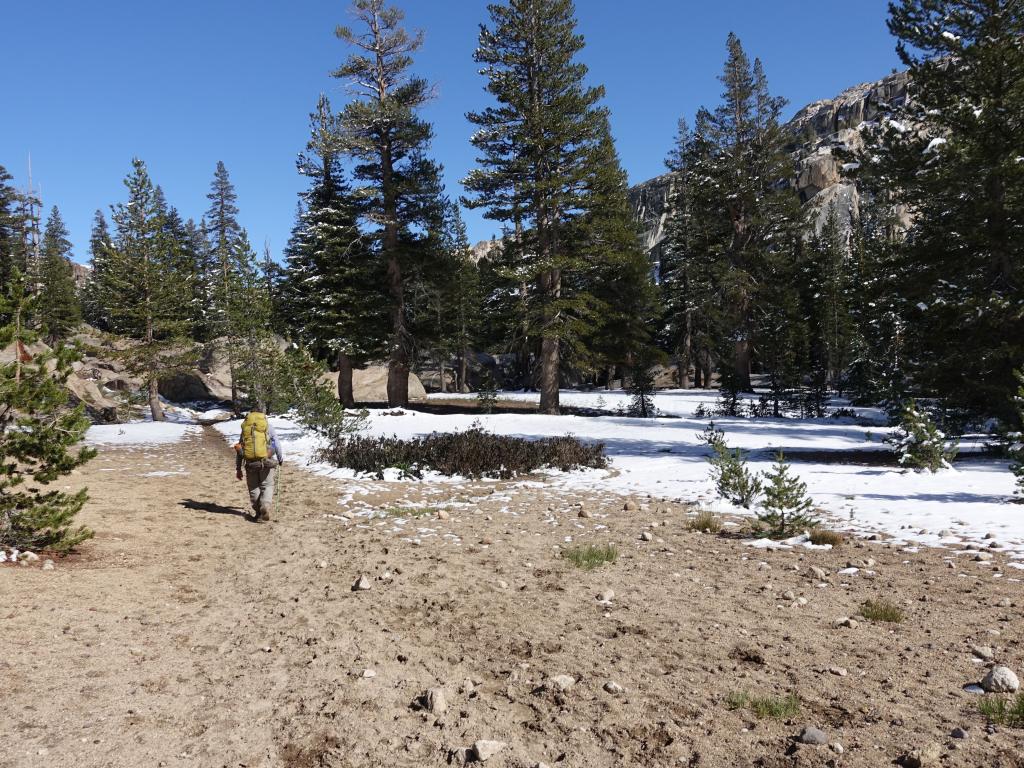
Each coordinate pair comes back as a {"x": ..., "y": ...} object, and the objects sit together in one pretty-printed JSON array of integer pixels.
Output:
[
  {"x": 584, "y": 514},
  {"x": 436, "y": 701},
  {"x": 838, "y": 671},
  {"x": 983, "y": 652},
  {"x": 788, "y": 595},
  {"x": 819, "y": 573},
  {"x": 362, "y": 583},
  {"x": 322, "y": 564},
  {"x": 442, "y": 514},
  {"x": 613, "y": 688},
  {"x": 606, "y": 596},
  {"x": 846, "y": 622},
  {"x": 837, "y": 748},
  {"x": 646, "y": 536},
  {"x": 983, "y": 557},
  {"x": 368, "y": 673},
  {"x": 812, "y": 735},
  {"x": 763, "y": 567},
  {"x": 629, "y": 506},
  {"x": 1000, "y": 680},
  {"x": 958, "y": 733},
  {"x": 562, "y": 682},
  {"x": 485, "y": 749},
  {"x": 801, "y": 601},
  {"x": 921, "y": 757},
  {"x": 48, "y": 565},
  {"x": 1004, "y": 603}
]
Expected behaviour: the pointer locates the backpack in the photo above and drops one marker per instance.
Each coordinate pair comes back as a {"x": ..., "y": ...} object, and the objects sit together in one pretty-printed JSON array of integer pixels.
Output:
[{"x": 254, "y": 437}]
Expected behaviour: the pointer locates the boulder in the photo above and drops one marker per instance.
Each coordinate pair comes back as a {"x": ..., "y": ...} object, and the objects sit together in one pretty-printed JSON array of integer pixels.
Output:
[{"x": 370, "y": 385}]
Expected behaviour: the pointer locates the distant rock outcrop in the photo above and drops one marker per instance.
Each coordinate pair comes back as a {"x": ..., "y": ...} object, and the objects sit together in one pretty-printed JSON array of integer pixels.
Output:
[{"x": 818, "y": 131}]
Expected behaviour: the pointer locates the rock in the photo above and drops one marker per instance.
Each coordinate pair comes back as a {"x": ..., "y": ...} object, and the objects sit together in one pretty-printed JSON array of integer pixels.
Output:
[
  {"x": 837, "y": 748},
  {"x": 502, "y": 584},
  {"x": 812, "y": 735},
  {"x": 606, "y": 596},
  {"x": 1000, "y": 680},
  {"x": 921, "y": 757},
  {"x": 442, "y": 514},
  {"x": 788, "y": 595},
  {"x": 983, "y": 557},
  {"x": 485, "y": 749},
  {"x": 629, "y": 506},
  {"x": 1004, "y": 603},
  {"x": 48, "y": 565},
  {"x": 562, "y": 682},
  {"x": 847, "y": 622},
  {"x": 819, "y": 573},
  {"x": 613, "y": 688},
  {"x": 435, "y": 701},
  {"x": 983, "y": 652},
  {"x": 370, "y": 385},
  {"x": 646, "y": 536},
  {"x": 362, "y": 583},
  {"x": 583, "y": 514},
  {"x": 958, "y": 733},
  {"x": 368, "y": 673},
  {"x": 838, "y": 671}
]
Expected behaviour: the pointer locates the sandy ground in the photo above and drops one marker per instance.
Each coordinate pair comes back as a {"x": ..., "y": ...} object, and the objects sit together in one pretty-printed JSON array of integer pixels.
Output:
[{"x": 184, "y": 635}]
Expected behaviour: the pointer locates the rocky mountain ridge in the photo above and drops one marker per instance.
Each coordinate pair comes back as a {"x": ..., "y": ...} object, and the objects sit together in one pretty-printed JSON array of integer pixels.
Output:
[{"x": 817, "y": 130}]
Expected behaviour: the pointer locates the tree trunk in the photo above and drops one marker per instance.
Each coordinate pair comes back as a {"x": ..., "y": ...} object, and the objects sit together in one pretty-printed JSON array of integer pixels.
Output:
[
  {"x": 742, "y": 365},
  {"x": 463, "y": 370},
  {"x": 155, "y": 408},
  {"x": 398, "y": 365},
  {"x": 443, "y": 384},
  {"x": 346, "y": 393},
  {"x": 549, "y": 376}
]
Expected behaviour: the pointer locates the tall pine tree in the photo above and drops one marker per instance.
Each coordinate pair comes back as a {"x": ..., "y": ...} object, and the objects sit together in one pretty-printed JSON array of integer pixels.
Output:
[
  {"x": 535, "y": 146},
  {"x": 58, "y": 306}
]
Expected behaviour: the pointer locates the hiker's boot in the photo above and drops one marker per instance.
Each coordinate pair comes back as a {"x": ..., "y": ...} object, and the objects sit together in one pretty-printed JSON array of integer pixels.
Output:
[{"x": 264, "y": 515}]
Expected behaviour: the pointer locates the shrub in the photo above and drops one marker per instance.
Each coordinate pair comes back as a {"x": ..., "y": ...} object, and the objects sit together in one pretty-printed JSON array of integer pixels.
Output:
[
  {"x": 882, "y": 610},
  {"x": 776, "y": 707},
  {"x": 733, "y": 480},
  {"x": 705, "y": 522},
  {"x": 1003, "y": 710},
  {"x": 821, "y": 536},
  {"x": 918, "y": 442},
  {"x": 590, "y": 556},
  {"x": 786, "y": 503},
  {"x": 474, "y": 453}
]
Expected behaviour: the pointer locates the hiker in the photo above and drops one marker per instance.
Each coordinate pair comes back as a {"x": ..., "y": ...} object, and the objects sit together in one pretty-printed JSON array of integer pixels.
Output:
[{"x": 259, "y": 451}]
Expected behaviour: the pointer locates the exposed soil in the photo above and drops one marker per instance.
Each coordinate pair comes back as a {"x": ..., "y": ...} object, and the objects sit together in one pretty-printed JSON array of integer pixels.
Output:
[{"x": 184, "y": 635}]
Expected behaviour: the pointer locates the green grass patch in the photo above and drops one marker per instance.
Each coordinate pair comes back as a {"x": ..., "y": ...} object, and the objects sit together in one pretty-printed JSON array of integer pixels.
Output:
[
  {"x": 1003, "y": 710},
  {"x": 774, "y": 707},
  {"x": 882, "y": 610},
  {"x": 591, "y": 556},
  {"x": 706, "y": 521}
]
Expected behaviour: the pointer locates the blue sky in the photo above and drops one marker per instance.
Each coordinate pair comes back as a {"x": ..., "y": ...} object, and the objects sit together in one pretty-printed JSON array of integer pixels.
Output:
[{"x": 87, "y": 86}]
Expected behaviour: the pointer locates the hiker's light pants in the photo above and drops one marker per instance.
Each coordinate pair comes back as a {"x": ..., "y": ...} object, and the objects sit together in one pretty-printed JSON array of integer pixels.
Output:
[{"x": 259, "y": 477}]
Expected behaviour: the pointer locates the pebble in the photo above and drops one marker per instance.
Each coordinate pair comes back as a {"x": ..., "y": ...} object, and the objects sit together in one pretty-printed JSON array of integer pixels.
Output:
[
  {"x": 838, "y": 671},
  {"x": 982, "y": 557},
  {"x": 629, "y": 506},
  {"x": 368, "y": 673},
  {"x": 583, "y": 513},
  {"x": 646, "y": 536},
  {"x": 442, "y": 514},
  {"x": 983, "y": 652},
  {"x": 922, "y": 757},
  {"x": 613, "y": 688},
  {"x": 1004, "y": 603},
  {"x": 1000, "y": 680},
  {"x": 801, "y": 601},
  {"x": 812, "y": 735},
  {"x": 958, "y": 733},
  {"x": 485, "y": 749},
  {"x": 606, "y": 596},
  {"x": 502, "y": 584},
  {"x": 846, "y": 622},
  {"x": 837, "y": 748},
  {"x": 362, "y": 583},
  {"x": 48, "y": 565},
  {"x": 788, "y": 595},
  {"x": 436, "y": 701},
  {"x": 819, "y": 573}
]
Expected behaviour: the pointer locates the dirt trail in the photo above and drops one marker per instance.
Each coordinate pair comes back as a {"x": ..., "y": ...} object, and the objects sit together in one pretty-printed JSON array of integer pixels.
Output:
[{"x": 184, "y": 635}]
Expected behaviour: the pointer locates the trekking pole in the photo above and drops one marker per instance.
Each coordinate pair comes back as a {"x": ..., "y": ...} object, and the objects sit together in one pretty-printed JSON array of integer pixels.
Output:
[{"x": 278, "y": 493}]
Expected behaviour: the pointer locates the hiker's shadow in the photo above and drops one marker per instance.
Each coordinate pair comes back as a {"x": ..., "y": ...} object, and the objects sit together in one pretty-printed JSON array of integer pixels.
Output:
[{"x": 216, "y": 509}]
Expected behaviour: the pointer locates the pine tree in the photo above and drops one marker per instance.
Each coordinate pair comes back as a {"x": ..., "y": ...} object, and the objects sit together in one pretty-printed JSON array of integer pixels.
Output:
[
  {"x": 786, "y": 504},
  {"x": 919, "y": 443},
  {"x": 333, "y": 285},
  {"x": 37, "y": 434},
  {"x": 1016, "y": 437},
  {"x": 536, "y": 145},
  {"x": 959, "y": 174},
  {"x": 58, "y": 306},
  {"x": 12, "y": 251},
  {"x": 143, "y": 289},
  {"x": 94, "y": 298},
  {"x": 388, "y": 141}
]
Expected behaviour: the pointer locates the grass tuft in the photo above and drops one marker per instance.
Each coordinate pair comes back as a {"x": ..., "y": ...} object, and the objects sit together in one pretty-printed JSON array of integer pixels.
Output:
[
  {"x": 882, "y": 610},
  {"x": 591, "y": 556},
  {"x": 821, "y": 536},
  {"x": 411, "y": 512},
  {"x": 1003, "y": 710},
  {"x": 775, "y": 707},
  {"x": 706, "y": 521}
]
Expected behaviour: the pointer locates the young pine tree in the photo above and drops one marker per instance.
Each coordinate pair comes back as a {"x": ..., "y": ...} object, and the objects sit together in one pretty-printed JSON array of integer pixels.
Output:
[
  {"x": 388, "y": 140},
  {"x": 38, "y": 435},
  {"x": 58, "y": 307},
  {"x": 143, "y": 290},
  {"x": 1016, "y": 438},
  {"x": 786, "y": 504},
  {"x": 94, "y": 301},
  {"x": 536, "y": 146},
  {"x": 12, "y": 246}
]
